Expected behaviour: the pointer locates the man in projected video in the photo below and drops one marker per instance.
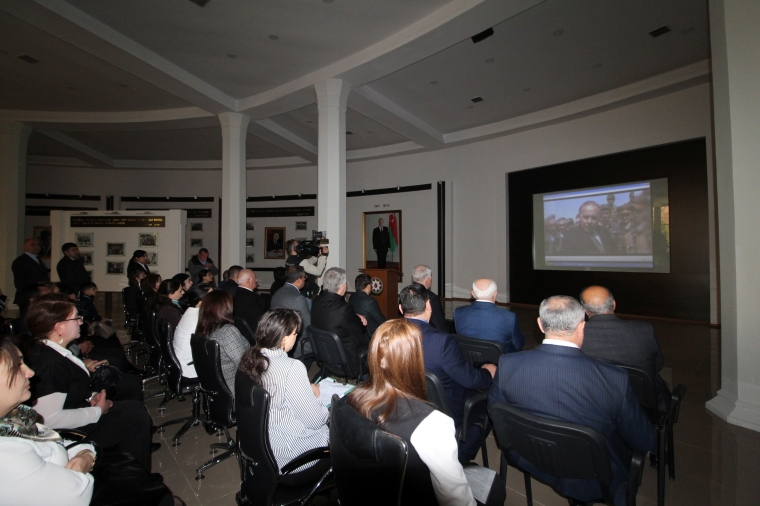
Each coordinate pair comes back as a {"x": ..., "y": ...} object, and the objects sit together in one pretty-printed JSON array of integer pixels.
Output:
[{"x": 588, "y": 238}]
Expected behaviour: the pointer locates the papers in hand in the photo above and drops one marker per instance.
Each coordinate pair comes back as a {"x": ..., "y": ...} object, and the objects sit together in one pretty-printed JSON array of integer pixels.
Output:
[{"x": 328, "y": 387}]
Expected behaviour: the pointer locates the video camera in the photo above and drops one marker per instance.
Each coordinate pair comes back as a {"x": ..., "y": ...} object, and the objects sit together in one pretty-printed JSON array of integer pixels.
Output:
[{"x": 313, "y": 246}]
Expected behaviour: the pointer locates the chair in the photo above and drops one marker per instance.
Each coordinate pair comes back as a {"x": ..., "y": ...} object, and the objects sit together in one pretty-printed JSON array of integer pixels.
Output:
[
  {"x": 246, "y": 330},
  {"x": 437, "y": 395},
  {"x": 220, "y": 403},
  {"x": 176, "y": 384},
  {"x": 331, "y": 356},
  {"x": 261, "y": 478},
  {"x": 369, "y": 464},
  {"x": 131, "y": 321},
  {"x": 643, "y": 385},
  {"x": 560, "y": 449},
  {"x": 479, "y": 351}
]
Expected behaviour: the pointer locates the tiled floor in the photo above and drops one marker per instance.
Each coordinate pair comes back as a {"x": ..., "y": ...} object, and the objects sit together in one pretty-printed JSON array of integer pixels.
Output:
[{"x": 716, "y": 463}]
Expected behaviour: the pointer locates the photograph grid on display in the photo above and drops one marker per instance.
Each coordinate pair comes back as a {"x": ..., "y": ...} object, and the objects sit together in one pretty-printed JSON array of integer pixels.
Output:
[
  {"x": 84, "y": 239},
  {"x": 115, "y": 268},
  {"x": 147, "y": 240},
  {"x": 115, "y": 249}
]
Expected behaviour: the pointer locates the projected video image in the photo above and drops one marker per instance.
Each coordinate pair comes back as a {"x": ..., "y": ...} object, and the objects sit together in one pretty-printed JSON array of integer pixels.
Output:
[{"x": 605, "y": 228}]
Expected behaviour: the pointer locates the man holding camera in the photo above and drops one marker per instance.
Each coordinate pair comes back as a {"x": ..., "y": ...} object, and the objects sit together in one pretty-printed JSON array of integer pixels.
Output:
[{"x": 313, "y": 263}]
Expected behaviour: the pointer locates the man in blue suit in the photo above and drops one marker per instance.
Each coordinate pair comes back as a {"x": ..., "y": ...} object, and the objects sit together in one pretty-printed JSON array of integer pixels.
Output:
[
  {"x": 445, "y": 359},
  {"x": 483, "y": 320},
  {"x": 558, "y": 381}
]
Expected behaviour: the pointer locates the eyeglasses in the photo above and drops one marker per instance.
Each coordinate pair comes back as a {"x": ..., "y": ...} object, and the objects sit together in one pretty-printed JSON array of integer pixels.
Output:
[{"x": 80, "y": 318}]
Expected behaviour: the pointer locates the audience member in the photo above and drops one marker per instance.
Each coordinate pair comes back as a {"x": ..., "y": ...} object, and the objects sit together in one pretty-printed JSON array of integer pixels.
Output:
[
  {"x": 248, "y": 305},
  {"x": 289, "y": 297},
  {"x": 297, "y": 420},
  {"x": 28, "y": 269},
  {"x": 199, "y": 262},
  {"x": 186, "y": 328},
  {"x": 216, "y": 321},
  {"x": 186, "y": 281},
  {"x": 279, "y": 280},
  {"x": 483, "y": 320},
  {"x": 366, "y": 305},
  {"x": 331, "y": 312},
  {"x": 579, "y": 390},
  {"x": 71, "y": 267},
  {"x": 149, "y": 286},
  {"x": 166, "y": 302},
  {"x": 230, "y": 284},
  {"x": 445, "y": 359},
  {"x": 205, "y": 276},
  {"x": 133, "y": 294},
  {"x": 625, "y": 342},
  {"x": 139, "y": 262},
  {"x": 314, "y": 266},
  {"x": 423, "y": 275}
]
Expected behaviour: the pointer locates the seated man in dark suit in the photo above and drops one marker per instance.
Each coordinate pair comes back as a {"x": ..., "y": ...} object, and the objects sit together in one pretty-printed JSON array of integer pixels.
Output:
[
  {"x": 366, "y": 305},
  {"x": 445, "y": 359},
  {"x": 626, "y": 342},
  {"x": 71, "y": 268},
  {"x": 331, "y": 312},
  {"x": 230, "y": 284},
  {"x": 28, "y": 269},
  {"x": 558, "y": 381},
  {"x": 423, "y": 275},
  {"x": 246, "y": 303},
  {"x": 289, "y": 296},
  {"x": 483, "y": 320}
]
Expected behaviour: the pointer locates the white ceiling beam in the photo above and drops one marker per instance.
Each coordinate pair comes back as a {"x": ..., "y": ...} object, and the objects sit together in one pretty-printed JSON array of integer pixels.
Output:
[
  {"x": 283, "y": 138},
  {"x": 89, "y": 155}
]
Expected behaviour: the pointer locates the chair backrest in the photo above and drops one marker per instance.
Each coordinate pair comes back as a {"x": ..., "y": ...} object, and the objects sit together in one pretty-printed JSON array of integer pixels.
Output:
[
  {"x": 151, "y": 329},
  {"x": 643, "y": 386},
  {"x": 329, "y": 352},
  {"x": 172, "y": 366},
  {"x": 479, "y": 351},
  {"x": 369, "y": 464},
  {"x": 246, "y": 330},
  {"x": 208, "y": 364},
  {"x": 435, "y": 393},
  {"x": 559, "y": 449},
  {"x": 260, "y": 471},
  {"x": 124, "y": 303}
]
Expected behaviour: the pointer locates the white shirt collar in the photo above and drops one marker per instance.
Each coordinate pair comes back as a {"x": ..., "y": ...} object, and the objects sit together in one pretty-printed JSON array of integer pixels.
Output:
[
  {"x": 484, "y": 300},
  {"x": 560, "y": 342},
  {"x": 65, "y": 352}
]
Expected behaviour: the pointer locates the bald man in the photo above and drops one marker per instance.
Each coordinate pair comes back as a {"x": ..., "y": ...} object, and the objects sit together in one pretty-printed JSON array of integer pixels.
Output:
[
  {"x": 483, "y": 320},
  {"x": 28, "y": 269},
  {"x": 617, "y": 341},
  {"x": 247, "y": 303},
  {"x": 589, "y": 237}
]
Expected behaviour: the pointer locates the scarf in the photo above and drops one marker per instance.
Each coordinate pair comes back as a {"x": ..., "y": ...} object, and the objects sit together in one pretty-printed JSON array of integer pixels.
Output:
[{"x": 22, "y": 422}]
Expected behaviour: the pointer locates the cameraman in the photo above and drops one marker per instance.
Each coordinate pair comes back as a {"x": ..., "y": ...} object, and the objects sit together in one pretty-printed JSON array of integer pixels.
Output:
[{"x": 312, "y": 265}]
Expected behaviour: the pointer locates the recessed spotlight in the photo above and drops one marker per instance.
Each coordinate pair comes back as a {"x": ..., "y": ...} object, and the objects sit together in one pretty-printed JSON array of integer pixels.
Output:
[
  {"x": 526, "y": 89},
  {"x": 687, "y": 31},
  {"x": 231, "y": 55},
  {"x": 470, "y": 106},
  {"x": 28, "y": 59},
  {"x": 433, "y": 82},
  {"x": 557, "y": 33},
  {"x": 596, "y": 66},
  {"x": 659, "y": 31},
  {"x": 490, "y": 60},
  {"x": 273, "y": 37},
  {"x": 475, "y": 100}
]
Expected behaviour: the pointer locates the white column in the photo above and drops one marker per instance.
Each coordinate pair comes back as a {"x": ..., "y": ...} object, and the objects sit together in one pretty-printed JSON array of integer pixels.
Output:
[
  {"x": 234, "y": 130},
  {"x": 332, "y": 95},
  {"x": 735, "y": 42},
  {"x": 13, "y": 142}
]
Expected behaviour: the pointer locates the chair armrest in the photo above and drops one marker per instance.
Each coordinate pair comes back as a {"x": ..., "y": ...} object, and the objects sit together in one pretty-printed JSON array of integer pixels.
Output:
[
  {"x": 323, "y": 452},
  {"x": 468, "y": 405},
  {"x": 634, "y": 476},
  {"x": 675, "y": 402}
]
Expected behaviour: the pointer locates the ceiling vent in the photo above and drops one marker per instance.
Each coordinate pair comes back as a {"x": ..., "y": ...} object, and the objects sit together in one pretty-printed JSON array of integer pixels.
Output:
[
  {"x": 476, "y": 100},
  {"x": 482, "y": 36},
  {"x": 28, "y": 59},
  {"x": 659, "y": 31}
]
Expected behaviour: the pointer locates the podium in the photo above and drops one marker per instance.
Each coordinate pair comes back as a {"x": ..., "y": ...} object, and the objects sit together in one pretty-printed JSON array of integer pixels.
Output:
[{"x": 387, "y": 299}]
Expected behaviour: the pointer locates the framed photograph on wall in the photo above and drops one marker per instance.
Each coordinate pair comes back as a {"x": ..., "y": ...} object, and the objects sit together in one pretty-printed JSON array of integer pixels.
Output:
[
  {"x": 249, "y": 225},
  {"x": 382, "y": 240},
  {"x": 84, "y": 239},
  {"x": 196, "y": 243},
  {"x": 147, "y": 240},
  {"x": 300, "y": 225},
  {"x": 115, "y": 268},
  {"x": 274, "y": 238},
  {"x": 115, "y": 249},
  {"x": 152, "y": 258},
  {"x": 86, "y": 257},
  {"x": 249, "y": 242},
  {"x": 43, "y": 235},
  {"x": 196, "y": 227},
  {"x": 249, "y": 259}
]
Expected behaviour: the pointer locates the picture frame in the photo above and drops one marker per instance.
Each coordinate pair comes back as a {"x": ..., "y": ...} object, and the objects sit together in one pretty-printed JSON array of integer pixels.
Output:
[
  {"x": 274, "y": 241},
  {"x": 86, "y": 257},
  {"x": 249, "y": 258},
  {"x": 196, "y": 242},
  {"x": 147, "y": 240},
  {"x": 115, "y": 268},
  {"x": 44, "y": 235},
  {"x": 300, "y": 225},
  {"x": 115, "y": 249},
  {"x": 392, "y": 223},
  {"x": 249, "y": 225},
  {"x": 249, "y": 242},
  {"x": 196, "y": 227},
  {"x": 152, "y": 258},
  {"x": 84, "y": 239}
]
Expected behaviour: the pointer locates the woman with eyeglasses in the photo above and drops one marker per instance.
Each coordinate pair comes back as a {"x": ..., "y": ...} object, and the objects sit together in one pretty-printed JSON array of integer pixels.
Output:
[{"x": 62, "y": 386}]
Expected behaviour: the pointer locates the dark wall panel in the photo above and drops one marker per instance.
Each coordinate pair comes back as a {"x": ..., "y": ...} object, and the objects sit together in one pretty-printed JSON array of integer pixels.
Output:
[{"x": 684, "y": 293}]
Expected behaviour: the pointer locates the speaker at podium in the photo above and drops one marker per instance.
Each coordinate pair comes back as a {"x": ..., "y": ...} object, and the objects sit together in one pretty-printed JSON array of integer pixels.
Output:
[{"x": 385, "y": 290}]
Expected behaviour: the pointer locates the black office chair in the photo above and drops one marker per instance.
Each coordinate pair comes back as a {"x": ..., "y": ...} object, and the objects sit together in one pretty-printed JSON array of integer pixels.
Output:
[
  {"x": 479, "y": 351},
  {"x": 437, "y": 396},
  {"x": 369, "y": 464},
  {"x": 220, "y": 403},
  {"x": 262, "y": 484},
  {"x": 644, "y": 387},
  {"x": 560, "y": 449},
  {"x": 246, "y": 330},
  {"x": 176, "y": 384},
  {"x": 331, "y": 356}
]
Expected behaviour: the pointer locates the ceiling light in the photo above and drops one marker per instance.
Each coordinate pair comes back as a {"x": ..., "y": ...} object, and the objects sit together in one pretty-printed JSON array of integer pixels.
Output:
[
  {"x": 28, "y": 59},
  {"x": 475, "y": 100},
  {"x": 687, "y": 31},
  {"x": 596, "y": 65},
  {"x": 490, "y": 60},
  {"x": 433, "y": 82},
  {"x": 482, "y": 36},
  {"x": 231, "y": 55},
  {"x": 557, "y": 33},
  {"x": 659, "y": 31},
  {"x": 273, "y": 37}
]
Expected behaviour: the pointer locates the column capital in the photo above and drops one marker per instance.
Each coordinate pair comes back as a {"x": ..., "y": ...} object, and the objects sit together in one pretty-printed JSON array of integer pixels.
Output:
[
  {"x": 233, "y": 120},
  {"x": 332, "y": 93}
]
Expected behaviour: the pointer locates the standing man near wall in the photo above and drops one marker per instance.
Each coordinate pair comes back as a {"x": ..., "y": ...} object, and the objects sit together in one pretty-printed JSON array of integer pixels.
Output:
[
  {"x": 28, "y": 269},
  {"x": 71, "y": 268},
  {"x": 199, "y": 262},
  {"x": 381, "y": 242}
]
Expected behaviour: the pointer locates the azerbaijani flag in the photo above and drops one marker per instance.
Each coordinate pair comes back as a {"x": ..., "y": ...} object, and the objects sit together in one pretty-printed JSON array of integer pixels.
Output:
[{"x": 394, "y": 231}]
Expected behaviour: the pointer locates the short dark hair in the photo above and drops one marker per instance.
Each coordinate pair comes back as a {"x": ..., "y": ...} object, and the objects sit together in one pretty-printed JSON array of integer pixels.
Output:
[
  {"x": 362, "y": 281},
  {"x": 279, "y": 273},
  {"x": 181, "y": 277},
  {"x": 203, "y": 250},
  {"x": 139, "y": 253},
  {"x": 234, "y": 271},
  {"x": 201, "y": 274},
  {"x": 67, "y": 246},
  {"x": 293, "y": 273},
  {"x": 413, "y": 298},
  {"x": 197, "y": 293},
  {"x": 87, "y": 286},
  {"x": 289, "y": 245}
]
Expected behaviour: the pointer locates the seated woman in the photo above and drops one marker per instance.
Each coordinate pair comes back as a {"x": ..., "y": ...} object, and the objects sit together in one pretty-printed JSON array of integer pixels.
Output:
[
  {"x": 166, "y": 302},
  {"x": 186, "y": 328},
  {"x": 215, "y": 321},
  {"x": 149, "y": 286},
  {"x": 297, "y": 420},
  {"x": 62, "y": 387},
  {"x": 205, "y": 276},
  {"x": 186, "y": 281},
  {"x": 394, "y": 398}
]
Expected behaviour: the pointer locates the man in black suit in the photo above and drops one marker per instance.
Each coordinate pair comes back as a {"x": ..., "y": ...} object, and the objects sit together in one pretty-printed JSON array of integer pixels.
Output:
[
  {"x": 230, "y": 284},
  {"x": 366, "y": 305},
  {"x": 71, "y": 269},
  {"x": 247, "y": 304},
  {"x": 331, "y": 312},
  {"x": 626, "y": 342},
  {"x": 423, "y": 275},
  {"x": 138, "y": 262},
  {"x": 28, "y": 269},
  {"x": 588, "y": 238},
  {"x": 558, "y": 381},
  {"x": 381, "y": 242}
]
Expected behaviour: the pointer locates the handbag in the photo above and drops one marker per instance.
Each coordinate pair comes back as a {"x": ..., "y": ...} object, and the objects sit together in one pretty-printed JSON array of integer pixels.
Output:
[{"x": 104, "y": 377}]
